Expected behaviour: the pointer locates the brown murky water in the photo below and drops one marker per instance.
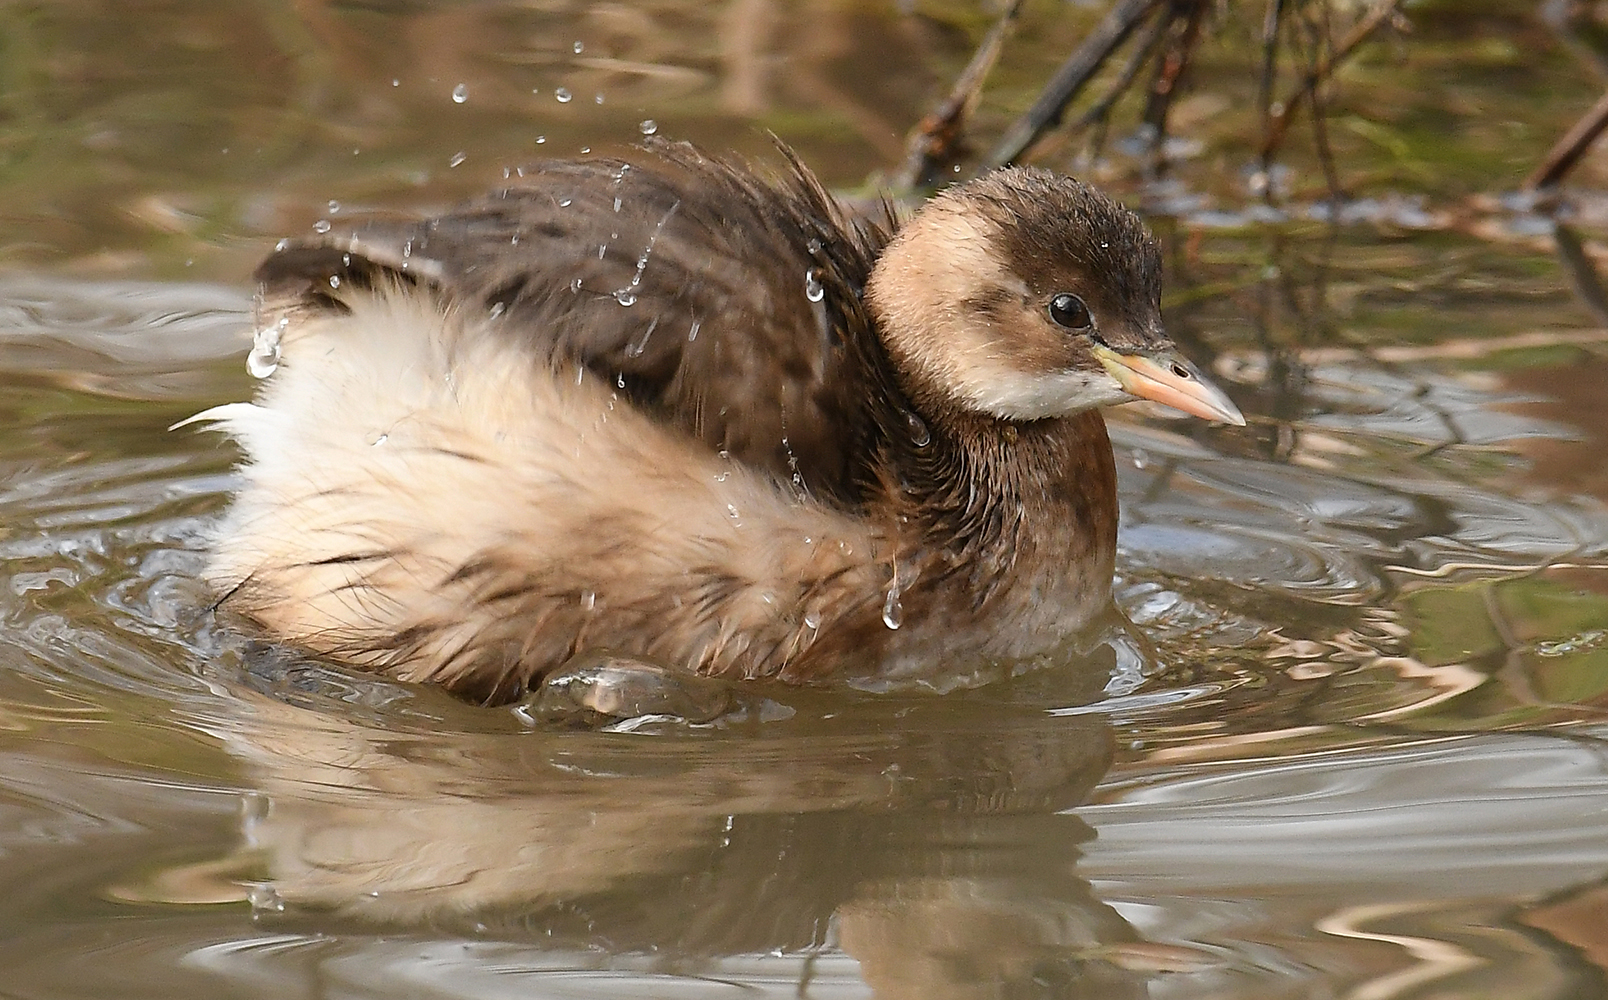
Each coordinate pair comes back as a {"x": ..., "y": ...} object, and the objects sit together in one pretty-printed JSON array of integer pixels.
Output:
[{"x": 1355, "y": 743}]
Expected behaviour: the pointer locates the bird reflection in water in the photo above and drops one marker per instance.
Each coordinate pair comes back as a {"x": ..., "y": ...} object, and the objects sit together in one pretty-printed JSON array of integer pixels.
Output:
[{"x": 928, "y": 838}]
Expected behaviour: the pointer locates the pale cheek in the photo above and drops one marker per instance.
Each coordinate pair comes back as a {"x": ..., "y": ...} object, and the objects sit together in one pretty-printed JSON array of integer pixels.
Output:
[{"x": 1011, "y": 394}]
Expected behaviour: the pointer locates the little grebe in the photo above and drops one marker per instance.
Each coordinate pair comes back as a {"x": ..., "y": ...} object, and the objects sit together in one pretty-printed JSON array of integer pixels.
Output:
[{"x": 672, "y": 409}]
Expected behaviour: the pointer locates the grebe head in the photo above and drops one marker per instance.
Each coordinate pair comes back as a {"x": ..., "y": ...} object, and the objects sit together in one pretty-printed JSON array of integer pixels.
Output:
[{"x": 1024, "y": 294}]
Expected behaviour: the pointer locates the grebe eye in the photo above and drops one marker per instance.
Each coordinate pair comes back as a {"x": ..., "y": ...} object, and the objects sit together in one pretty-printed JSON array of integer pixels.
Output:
[{"x": 1069, "y": 311}]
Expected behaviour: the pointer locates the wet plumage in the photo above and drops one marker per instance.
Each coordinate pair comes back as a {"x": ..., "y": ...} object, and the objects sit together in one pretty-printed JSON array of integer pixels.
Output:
[{"x": 675, "y": 409}]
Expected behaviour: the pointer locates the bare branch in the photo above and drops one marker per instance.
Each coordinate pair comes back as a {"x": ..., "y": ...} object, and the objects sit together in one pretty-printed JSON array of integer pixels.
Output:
[
  {"x": 935, "y": 143},
  {"x": 1070, "y": 79},
  {"x": 1279, "y": 118},
  {"x": 1568, "y": 150}
]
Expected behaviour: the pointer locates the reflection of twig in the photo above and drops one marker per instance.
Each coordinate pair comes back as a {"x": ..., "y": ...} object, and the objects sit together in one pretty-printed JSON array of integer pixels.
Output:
[
  {"x": 1568, "y": 150},
  {"x": 935, "y": 143},
  {"x": 1279, "y": 117},
  {"x": 1582, "y": 271},
  {"x": 1073, "y": 75}
]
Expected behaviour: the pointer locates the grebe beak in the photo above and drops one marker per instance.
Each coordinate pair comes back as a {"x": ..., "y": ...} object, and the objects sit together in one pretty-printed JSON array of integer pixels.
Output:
[{"x": 1167, "y": 377}]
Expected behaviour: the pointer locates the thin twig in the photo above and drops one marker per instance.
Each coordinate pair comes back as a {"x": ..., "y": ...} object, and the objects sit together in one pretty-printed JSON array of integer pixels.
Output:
[
  {"x": 1279, "y": 118},
  {"x": 1272, "y": 20},
  {"x": 1320, "y": 123},
  {"x": 1568, "y": 150},
  {"x": 1567, "y": 19},
  {"x": 1070, "y": 79},
  {"x": 936, "y": 142},
  {"x": 1186, "y": 16},
  {"x": 1099, "y": 113}
]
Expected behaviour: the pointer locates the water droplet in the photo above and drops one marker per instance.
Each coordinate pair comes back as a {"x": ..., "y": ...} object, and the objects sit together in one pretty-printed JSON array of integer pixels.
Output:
[
  {"x": 255, "y": 807},
  {"x": 541, "y": 139},
  {"x": 721, "y": 477},
  {"x": 731, "y": 511},
  {"x": 378, "y": 440},
  {"x": 396, "y": 81},
  {"x": 892, "y": 610},
  {"x": 334, "y": 206},
  {"x": 262, "y": 364},
  {"x": 619, "y": 380},
  {"x": 460, "y": 93},
  {"x": 625, "y": 297},
  {"x": 813, "y": 246},
  {"x": 264, "y": 357},
  {"x": 1104, "y": 245},
  {"x": 579, "y": 48},
  {"x": 1141, "y": 458},
  {"x": 281, "y": 245},
  {"x": 457, "y": 158},
  {"x": 597, "y": 98},
  {"x": 692, "y": 334},
  {"x": 334, "y": 281},
  {"x": 813, "y": 289},
  {"x": 497, "y": 308},
  {"x": 575, "y": 286},
  {"x": 812, "y": 619},
  {"x": 265, "y": 899},
  {"x": 563, "y": 95},
  {"x": 321, "y": 226},
  {"x": 616, "y": 204},
  {"x": 647, "y": 126},
  {"x": 919, "y": 435}
]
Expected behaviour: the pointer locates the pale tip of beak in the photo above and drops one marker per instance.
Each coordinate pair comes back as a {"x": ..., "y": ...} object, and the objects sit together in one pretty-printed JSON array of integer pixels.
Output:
[{"x": 1169, "y": 379}]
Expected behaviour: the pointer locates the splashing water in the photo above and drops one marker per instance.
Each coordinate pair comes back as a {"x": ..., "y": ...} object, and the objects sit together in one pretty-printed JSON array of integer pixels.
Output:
[
  {"x": 629, "y": 292},
  {"x": 636, "y": 347},
  {"x": 263, "y": 360}
]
